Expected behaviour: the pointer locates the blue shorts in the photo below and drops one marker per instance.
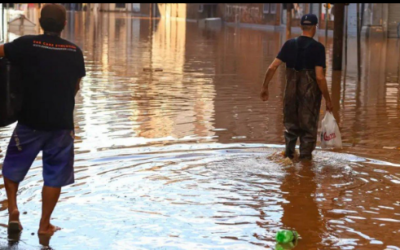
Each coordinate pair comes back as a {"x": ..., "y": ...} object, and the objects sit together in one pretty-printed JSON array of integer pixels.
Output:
[{"x": 58, "y": 155}]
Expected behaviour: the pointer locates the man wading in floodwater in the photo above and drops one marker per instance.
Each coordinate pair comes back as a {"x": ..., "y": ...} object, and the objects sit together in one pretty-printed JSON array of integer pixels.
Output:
[
  {"x": 305, "y": 81},
  {"x": 51, "y": 69}
]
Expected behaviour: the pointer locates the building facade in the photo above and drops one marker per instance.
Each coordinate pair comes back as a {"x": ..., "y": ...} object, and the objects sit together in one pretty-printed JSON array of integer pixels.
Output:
[{"x": 376, "y": 18}]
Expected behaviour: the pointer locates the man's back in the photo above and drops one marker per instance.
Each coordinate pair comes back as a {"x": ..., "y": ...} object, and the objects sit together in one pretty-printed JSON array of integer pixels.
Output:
[
  {"x": 310, "y": 53},
  {"x": 305, "y": 82},
  {"x": 51, "y": 70},
  {"x": 50, "y": 67}
]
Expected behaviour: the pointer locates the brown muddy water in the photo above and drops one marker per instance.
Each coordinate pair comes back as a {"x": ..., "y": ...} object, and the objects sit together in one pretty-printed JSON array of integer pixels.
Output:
[{"x": 179, "y": 157}]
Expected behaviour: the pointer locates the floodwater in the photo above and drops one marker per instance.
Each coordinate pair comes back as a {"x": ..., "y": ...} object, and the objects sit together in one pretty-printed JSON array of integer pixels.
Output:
[{"x": 174, "y": 149}]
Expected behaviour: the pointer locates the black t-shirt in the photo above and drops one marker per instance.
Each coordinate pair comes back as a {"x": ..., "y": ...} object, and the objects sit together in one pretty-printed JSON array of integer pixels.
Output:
[
  {"x": 310, "y": 53},
  {"x": 50, "y": 68}
]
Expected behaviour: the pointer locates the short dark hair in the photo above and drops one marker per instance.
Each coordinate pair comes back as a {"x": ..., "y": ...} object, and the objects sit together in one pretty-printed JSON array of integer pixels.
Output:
[
  {"x": 307, "y": 27},
  {"x": 52, "y": 18}
]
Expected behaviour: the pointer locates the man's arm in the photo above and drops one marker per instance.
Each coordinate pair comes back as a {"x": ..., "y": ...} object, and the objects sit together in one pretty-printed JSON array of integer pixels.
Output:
[
  {"x": 321, "y": 81},
  {"x": 268, "y": 76},
  {"x": 77, "y": 86},
  {"x": 2, "y": 54}
]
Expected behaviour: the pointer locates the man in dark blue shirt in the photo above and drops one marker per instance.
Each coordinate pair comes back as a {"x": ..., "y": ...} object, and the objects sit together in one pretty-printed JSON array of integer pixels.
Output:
[
  {"x": 51, "y": 69},
  {"x": 306, "y": 83}
]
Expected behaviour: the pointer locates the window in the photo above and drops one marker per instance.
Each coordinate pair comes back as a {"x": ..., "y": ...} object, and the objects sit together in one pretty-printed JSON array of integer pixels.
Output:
[
  {"x": 228, "y": 10},
  {"x": 254, "y": 11},
  {"x": 120, "y": 5},
  {"x": 272, "y": 8},
  {"x": 201, "y": 7},
  {"x": 269, "y": 8},
  {"x": 266, "y": 8}
]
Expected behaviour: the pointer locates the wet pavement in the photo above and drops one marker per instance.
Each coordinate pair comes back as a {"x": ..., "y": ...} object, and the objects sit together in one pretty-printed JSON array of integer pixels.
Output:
[{"x": 174, "y": 149}]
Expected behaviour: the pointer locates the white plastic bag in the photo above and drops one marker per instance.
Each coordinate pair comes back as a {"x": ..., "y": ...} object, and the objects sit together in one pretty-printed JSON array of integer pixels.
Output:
[{"x": 330, "y": 134}]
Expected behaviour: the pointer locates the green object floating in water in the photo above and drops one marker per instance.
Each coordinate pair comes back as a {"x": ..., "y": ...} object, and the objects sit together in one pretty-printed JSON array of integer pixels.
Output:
[{"x": 286, "y": 236}]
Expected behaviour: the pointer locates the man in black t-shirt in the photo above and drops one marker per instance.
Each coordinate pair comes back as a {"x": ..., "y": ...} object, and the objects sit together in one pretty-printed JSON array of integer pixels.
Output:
[
  {"x": 305, "y": 82},
  {"x": 51, "y": 69}
]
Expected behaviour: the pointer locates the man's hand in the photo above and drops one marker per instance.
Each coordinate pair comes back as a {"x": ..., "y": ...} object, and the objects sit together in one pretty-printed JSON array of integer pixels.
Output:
[
  {"x": 264, "y": 95},
  {"x": 268, "y": 76},
  {"x": 321, "y": 81},
  {"x": 329, "y": 106}
]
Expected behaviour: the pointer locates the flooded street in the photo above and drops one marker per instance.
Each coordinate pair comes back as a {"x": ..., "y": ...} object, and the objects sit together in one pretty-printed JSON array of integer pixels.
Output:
[{"x": 175, "y": 150}]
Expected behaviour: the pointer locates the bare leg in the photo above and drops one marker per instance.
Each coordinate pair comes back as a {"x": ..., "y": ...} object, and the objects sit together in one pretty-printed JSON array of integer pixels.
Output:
[
  {"x": 11, "y": 190},
  {"x": 50, "y": 197}
]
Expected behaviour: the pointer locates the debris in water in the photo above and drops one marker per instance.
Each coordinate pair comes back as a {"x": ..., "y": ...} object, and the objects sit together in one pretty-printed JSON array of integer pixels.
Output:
[
  {"x": 279, "y": 157},
  {"x": 151, "y": 69}
]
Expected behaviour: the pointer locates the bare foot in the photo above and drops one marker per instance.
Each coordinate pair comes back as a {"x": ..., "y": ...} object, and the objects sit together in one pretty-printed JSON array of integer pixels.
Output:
[
  {"x": 48, "y": 230},
  {"x": 44, "y": 240},
  {"x": 14, "y": 216}
]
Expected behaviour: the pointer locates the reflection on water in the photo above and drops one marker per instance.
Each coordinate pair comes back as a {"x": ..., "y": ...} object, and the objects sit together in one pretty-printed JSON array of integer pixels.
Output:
[
  {"x": 178, "y": 158},
  {"x": 300, "y": 211}
]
